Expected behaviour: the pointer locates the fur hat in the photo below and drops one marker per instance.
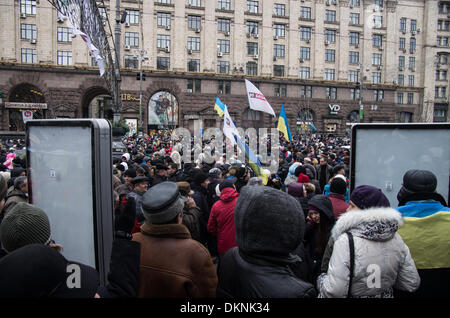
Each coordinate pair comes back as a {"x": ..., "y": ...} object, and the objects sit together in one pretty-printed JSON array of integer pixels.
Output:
[
  {"x": 268, "y": 221},
  {"x": 24, "y": 224},
  {"x": 366, "y": 196},
  {"x": 419, "y": 185}
]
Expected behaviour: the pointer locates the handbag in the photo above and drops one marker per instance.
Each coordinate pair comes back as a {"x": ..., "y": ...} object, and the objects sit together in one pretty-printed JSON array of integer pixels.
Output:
[{"x": 352, "y": 262}]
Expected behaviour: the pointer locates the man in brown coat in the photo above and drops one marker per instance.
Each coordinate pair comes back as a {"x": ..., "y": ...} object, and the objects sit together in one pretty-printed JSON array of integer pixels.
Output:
[{"x": 172, "y": 264}]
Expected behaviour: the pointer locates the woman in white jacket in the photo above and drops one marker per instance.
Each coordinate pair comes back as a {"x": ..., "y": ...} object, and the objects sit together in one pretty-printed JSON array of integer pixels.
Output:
[{"x": 382, "y": 260}]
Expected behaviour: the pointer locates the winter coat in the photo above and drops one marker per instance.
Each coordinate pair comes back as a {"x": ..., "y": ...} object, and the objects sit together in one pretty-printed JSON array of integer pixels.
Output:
[
  {"x": 339, "y": 204},
  {"x": 326, "y": 177},
  {"x": 314, "y": 231},
  {"x": 191, "y": 219},
  {"x": 173, "y": 265},
  {"x": 269, "y": 227},
  {"x": 200, "y": 198},
  {"x": 382, "y": 259},
  {"x": 12, "y": 198},
  {"x": 221, "y": 220},
  {"x": 137, "y": 196},
  {"x": 247, "y": 276}
]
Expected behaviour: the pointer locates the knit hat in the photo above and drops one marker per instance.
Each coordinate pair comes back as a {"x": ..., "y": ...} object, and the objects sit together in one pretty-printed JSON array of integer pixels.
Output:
[
  {"x": 299, "y": 170},
  {"x": 303, "y": 178},
  {"x": 366, "y": 196},
  {"x": 3, "y": 187},
  {"x": 268, "y": 221},
  {"x": 296, "y": 190},
  {"x": 130, "y": 173},
  {"x": 36, "y": 271},
  {"x": 24, "y": 224},
  {"x": 338, "y": 186},
  {"x": 215, "y": 173},
  {"x": 226, "y": 184},
  {"x": 200, "y": 177}
]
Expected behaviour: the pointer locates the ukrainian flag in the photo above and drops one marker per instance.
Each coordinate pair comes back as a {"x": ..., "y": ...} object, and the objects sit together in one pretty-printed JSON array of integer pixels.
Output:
[
  {"x": 253, "y": 161},
  {"x": 283, "y": 124},
  {"x": 425, "y": 232},
  {"x": 219, "y": 107}
]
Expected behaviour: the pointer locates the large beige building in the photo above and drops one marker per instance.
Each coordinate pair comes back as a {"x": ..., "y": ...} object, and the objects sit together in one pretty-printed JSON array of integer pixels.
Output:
[{"x": 310, "y": 55}]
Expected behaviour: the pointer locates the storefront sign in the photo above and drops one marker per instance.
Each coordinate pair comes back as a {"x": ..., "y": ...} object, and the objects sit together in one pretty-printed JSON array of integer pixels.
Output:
[
  {"x": 26, "y": 105},
  {"x": 128, "y": 97},
  {"x": 334, "y": 109}
]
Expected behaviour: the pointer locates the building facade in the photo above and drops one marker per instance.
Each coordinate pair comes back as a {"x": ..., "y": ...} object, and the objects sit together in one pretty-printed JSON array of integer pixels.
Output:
[{"x": 316, "y": 57}]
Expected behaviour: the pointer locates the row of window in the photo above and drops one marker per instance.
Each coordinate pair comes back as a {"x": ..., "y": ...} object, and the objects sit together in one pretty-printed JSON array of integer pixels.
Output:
[
  {"x": 30, "y": 56},
  {"x": 224, "y": 87}
]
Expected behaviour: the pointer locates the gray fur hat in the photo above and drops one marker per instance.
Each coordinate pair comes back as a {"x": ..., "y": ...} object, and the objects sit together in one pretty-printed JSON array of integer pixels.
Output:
[{"x": 268, "y": 221}]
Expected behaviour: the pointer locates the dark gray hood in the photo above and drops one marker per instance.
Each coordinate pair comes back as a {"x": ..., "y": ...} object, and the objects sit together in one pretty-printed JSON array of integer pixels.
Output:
[{"x": 268, "y": 221}]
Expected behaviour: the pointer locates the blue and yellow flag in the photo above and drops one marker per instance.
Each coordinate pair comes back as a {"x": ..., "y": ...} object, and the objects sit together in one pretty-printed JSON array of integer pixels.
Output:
[
  {"x": 283, "y": 125},
  {"x": 425, "y": 232},
  {"x": 253, "y": 161},
  {"x": 219, "y": 107}
]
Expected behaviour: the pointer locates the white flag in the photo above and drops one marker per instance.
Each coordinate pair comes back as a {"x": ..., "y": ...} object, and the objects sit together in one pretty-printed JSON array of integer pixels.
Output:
[
  {"x": 229, "y": 129},
  {"x": 256, "y": 99}
]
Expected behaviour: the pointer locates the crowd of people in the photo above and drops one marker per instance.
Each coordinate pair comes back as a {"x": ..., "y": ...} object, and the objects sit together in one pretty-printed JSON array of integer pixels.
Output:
[{"x": 212, "y": 228}]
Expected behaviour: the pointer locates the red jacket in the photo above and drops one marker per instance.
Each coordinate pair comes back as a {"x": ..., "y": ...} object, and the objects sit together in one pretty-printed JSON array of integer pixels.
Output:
[
  {"x": 339, "y": 204},
  {"x": 221, "y": 220}
]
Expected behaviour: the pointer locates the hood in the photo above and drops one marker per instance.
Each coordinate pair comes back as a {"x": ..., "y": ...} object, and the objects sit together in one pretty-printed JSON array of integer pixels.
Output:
[
  {"x": 375, "y": 224},
  {"x": 127, "y": 156},
  {"x": 228, "y": 194},
  {"x": 292, "y": 168},
  {"x": 268, "y": 221},
  {"x": 324, "y": 204}
]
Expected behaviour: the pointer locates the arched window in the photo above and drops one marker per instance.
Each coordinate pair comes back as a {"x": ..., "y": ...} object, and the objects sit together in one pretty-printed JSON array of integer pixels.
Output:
[
  {"x": 163, "y": 109},
  {"x": 25, "y": 93}
]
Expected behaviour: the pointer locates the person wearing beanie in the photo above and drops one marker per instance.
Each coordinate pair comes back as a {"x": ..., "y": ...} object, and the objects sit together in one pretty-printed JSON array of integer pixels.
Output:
[
  {"x": 16, "y": 195},
  {"x": 324, "y": 171},
  {"x": 172, "y": 265},
  {"x": 298, "y": 191},
  {"x": 215, "y": 178},
  {"x": 369, "y": 228},
  {"x": 191, "y": 212},
  {"x": 366, "y": 196},
  {"x": 161, "y": 174},
  {"x": 140, "y": 186},
  {"x": 269, "y": 226},
  {"x": 338, "y": 189},
  {"x": 320, "y": 221},
  {"x": 426, "y": 226},
  {"x": 200, "y": 196},
  {"x": 127, "y": 186},
  {"x": 221, "y": 219}
]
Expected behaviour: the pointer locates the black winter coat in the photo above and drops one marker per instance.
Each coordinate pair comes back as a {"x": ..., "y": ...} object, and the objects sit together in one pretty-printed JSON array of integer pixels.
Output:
[{"x": 244, "y": 276}]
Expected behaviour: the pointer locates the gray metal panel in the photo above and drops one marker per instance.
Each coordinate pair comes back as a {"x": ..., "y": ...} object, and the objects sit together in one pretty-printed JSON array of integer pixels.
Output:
[
  {"x": 97, "y": 168},
  {"x": 382, "y": 153}
]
